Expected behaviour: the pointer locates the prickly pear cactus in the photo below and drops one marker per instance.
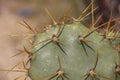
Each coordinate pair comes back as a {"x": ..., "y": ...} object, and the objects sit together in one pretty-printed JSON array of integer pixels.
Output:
[{"x": 73, "y": 52}]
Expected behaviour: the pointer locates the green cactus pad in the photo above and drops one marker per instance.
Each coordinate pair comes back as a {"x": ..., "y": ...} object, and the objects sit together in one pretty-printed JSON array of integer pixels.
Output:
[{"x": 72, "y": 52}]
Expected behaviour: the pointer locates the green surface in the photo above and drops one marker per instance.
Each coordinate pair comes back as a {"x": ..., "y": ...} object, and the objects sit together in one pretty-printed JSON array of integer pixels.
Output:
[{"x": 75, "y": 62}]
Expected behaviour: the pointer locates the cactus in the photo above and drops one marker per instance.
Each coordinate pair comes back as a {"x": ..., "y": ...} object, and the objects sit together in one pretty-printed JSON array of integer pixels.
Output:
[
  {"x": 74, "y": 51},
  {"x": 67, "y": 52}
]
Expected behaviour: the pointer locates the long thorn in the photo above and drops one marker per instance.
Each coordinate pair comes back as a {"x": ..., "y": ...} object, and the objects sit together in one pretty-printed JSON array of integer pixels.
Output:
[
  {"x": 109, "y": 21},
  {"x": 60, "y": 31},
  {"x": 84, "y": 11},
  {"x": 96, "y": 61},
  {"x": 28, "y": 26},
  {"x": 22, "y": 70},
  {"x": 89, "y": 46},
  {"x": 83, "y": 46},
  {"x": 61, "y": 48},
  {"x": 98, "y": 19},
  {"x": 93, "y": 21},
  {"x": 84, "y": 75},
  {"x": 52, "y": 74},
  {"x": 61, "y": 21},
  {"x": 94, "y": 30},
  {"x": 29, "y": 53},
  {"x": 60, "y": 66},
  {"x": 103, "y": 77},
  {"x": 16, "y": 65},
  {"x": 43, "y": 46},
  {"x": 53, "y": 77},
  {"x": 19, "y": 77},
  {"x": 53, "y": 20},
  {"x": 87, "y": 14},
  {"x": 42, "y": 42}
]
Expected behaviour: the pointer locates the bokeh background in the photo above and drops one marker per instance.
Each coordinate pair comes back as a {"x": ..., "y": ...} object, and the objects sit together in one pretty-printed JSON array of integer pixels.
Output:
[{"x": 33, "y": 11}]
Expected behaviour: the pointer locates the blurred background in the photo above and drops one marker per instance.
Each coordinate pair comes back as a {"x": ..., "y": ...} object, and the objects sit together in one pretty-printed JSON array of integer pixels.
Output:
[{"x": 12, "y": 38}]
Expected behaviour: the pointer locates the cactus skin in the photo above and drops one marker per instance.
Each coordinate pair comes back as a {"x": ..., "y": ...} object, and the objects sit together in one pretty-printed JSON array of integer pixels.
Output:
[{"x": 75, "y": 57}]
